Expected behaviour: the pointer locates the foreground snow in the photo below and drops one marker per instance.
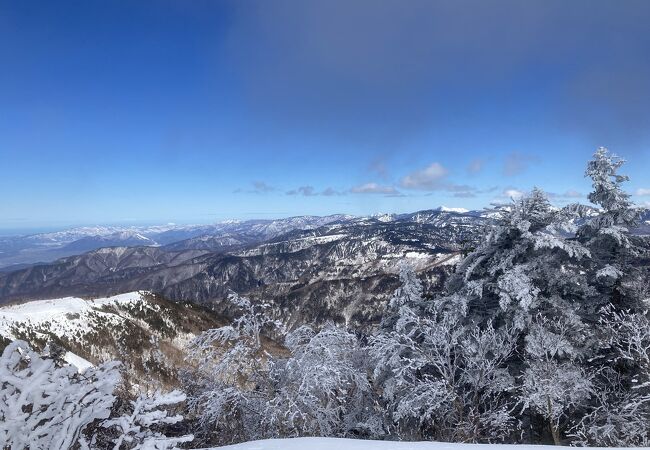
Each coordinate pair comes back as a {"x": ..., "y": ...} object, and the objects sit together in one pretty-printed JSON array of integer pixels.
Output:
[{"x": 359, "y": 444}]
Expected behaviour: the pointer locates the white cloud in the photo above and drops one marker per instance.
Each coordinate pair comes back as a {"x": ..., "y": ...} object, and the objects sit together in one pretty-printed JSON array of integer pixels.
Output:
[
  {"x": 642, "y": 192},
  {"x": 373, "y": 188},
  {"x": 430, "y": 178},
  {"x": 513, "y": 193}
]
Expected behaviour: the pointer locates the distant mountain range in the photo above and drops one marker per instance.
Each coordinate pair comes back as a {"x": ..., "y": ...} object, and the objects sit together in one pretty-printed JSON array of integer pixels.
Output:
[
  {"x": 313, "y": 269},
  {"x": 20, "y": 251},
  {"x": 47, "y": 247}
]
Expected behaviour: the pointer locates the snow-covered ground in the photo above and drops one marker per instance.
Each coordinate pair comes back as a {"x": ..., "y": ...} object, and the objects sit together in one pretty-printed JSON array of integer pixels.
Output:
[
  {"x": 60, "y": 314},
  {"x": 64, "y": 317},
  {"x": 358, "y": 444},
  {"x": 453, "y": 209},
  {"x": 77, "y": 361}
]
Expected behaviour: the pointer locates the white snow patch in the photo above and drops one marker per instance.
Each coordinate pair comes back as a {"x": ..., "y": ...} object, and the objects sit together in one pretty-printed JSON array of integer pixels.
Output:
[
  {"x": 120, "y": 299},
  {"x": 451, "y": 261},
  {"x": 452, "y": 209},
  {"x": 60, "y": 314},
  {"x": 418, "y": 255},
  {"x": 77, "y": 361},
  {"x": 307, "y": 443}
]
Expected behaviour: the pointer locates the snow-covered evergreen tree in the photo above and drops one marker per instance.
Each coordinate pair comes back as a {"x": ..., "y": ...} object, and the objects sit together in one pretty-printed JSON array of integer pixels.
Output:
[
  {"x": 529, "y": 277},
  {"x": 555, "y": 284},
  {"x": 608, "y": 193},
  {"x": 607, "y": 235},
  {"x": 439, "y": 378},
  {"x": 618, "y": 310}
]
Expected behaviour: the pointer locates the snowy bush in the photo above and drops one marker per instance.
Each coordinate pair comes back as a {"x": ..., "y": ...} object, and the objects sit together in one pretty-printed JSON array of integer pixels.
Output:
[
  {"x": 323, "y": 387},
  {"x": 138, "y": 428},
  {"x": 228, "y": 383},
  {"x": 238, "y": 390},
  {"x": 46, "y": 406}
]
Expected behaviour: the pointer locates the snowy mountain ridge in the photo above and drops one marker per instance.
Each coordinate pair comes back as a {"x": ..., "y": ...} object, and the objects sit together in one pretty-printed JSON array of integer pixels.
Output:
[
  {"x": 18, "y": 251},
  {"x": 46, "y": 247},
  {"x": 146, "y": 332},
  {"x": 310, "y": 271},
  {"x": 64, "y": 317}
]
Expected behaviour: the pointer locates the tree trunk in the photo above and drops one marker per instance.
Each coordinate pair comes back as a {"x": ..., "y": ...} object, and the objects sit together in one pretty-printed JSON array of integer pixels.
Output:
[
  {"x": 556, "y": 434},
  {"x": 554, "y": 429}
]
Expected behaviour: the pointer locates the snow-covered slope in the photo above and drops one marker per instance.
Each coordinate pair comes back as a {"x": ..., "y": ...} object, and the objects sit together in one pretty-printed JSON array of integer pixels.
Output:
[
  {"x": 64, "y": 317},
  {"x": 358, "y": 444},
  {"x": 146, "y": 332},
  {"x": 453, "y": 209}
]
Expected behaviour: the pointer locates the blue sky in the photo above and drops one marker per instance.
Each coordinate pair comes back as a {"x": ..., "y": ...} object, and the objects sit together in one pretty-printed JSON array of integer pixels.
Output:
[{"x": 193, "y": 111}]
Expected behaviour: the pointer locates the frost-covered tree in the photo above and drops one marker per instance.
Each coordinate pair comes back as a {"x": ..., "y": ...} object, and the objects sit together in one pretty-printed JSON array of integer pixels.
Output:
[
  {"x": 554, "y": 383},
  {"x": 551, "y": 274},
  {"x": 615, "y": 252},
  {"x": 622, "y": 411},
  {"x": 620, "y": 417},
  {"x": 608, "y": 193},
  {"x": 244, "y": 386},
  {"x": 617, "y": 308},
  {"x": 229, "y": 383},
  {"x": 528, "y": 275},
  {"x": 142, "y": 427},
  {"x": 439, "y": 378},
  {"x": 409, "y": 294},
  {"x": 514, "y": 272},
  {"x": 45, "y": 405},
  {"x": 322, "y": 387}
]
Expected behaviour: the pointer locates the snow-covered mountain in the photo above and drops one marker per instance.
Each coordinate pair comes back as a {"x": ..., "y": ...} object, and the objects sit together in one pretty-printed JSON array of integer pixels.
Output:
[
  {"x": 127, "y": 238},
  {"x": 46, "y": 247},
  {"x": 19, "y": 251},
  {"x": 146, "y": 332},
  {"x": 310, "y": 273}
]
